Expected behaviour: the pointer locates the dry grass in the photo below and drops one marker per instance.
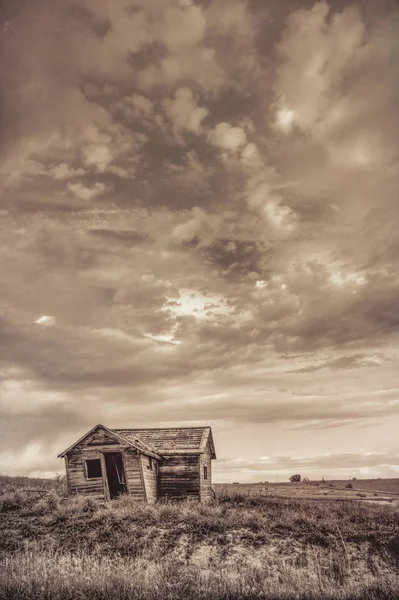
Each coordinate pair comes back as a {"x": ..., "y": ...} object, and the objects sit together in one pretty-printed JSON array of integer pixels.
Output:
[
  {"x": 37, "y": 575},
  {"x": 237, "y": 548}
]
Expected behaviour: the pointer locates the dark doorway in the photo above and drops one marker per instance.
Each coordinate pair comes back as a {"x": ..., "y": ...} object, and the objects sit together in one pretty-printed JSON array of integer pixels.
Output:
[{"x": 115, "y": 474}]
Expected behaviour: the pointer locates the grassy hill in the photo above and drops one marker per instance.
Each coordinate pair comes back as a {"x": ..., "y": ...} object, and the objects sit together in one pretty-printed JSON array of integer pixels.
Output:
[{"x": 240, "y": 547}]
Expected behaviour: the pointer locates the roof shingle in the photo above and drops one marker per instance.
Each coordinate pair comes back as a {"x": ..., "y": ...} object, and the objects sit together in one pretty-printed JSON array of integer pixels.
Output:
[{"x": 168, "y": 439}]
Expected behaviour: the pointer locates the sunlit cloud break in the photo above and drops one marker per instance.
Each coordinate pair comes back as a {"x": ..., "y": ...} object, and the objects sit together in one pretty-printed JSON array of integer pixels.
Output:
[{"x": 46, "y": 321}]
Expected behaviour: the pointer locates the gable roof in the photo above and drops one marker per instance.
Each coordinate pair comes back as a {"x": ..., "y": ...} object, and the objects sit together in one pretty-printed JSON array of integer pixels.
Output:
[
  {"x": 133, "y": 441},
  {"x": 172, "y": 440}
]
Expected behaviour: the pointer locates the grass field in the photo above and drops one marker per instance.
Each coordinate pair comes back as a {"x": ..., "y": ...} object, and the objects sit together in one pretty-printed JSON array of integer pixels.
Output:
[
  {"x": 375, "y": 490},
  {"x": 238, "y": 548}
]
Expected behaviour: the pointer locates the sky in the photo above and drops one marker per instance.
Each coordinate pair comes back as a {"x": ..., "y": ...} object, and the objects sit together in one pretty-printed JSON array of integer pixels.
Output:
[{"x": 199, "y": 224}]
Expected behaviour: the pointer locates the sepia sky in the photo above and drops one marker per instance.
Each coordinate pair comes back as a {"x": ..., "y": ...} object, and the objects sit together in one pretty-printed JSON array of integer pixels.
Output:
[{"x": 199, "y": 224}]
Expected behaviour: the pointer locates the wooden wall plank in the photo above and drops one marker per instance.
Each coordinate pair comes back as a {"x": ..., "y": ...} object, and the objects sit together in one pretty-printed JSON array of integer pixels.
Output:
[
  {"x": 104, "y": 477},
  {"x": 68, "y": 483},
  {"x": 206, "y": 484},
  {"x": 179, "y": 477},
  {"x": 133, "y": 475},
  {"x": 149, "y": 471}
]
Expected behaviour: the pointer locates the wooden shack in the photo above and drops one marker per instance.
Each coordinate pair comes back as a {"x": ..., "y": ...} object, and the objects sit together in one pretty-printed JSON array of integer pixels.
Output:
[{"x": 148, "y": 464}]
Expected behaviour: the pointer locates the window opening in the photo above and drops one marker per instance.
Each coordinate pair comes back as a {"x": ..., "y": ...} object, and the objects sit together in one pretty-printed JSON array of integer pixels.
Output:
[
  {"x": 205, "y": 472},
  {"x": 93, "y": 468}
]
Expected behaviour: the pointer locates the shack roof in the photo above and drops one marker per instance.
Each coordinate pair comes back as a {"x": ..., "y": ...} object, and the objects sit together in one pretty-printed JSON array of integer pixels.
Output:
[
  {"x": 172, "y": 440},
  {"x": 159, "y": 441},
  {"x": 133, "y": 441}
]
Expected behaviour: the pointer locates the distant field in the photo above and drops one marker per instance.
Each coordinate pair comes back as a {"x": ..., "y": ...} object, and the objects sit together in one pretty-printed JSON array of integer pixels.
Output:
[
  {"x": 376, "y": 490},
  {"x": 377, "y": 485}
]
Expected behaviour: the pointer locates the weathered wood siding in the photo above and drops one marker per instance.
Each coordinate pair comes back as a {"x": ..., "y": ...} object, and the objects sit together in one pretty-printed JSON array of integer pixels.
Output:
[
  {"x": 93, "y": 447},
  {"x": 134, "y": 477},
  {"x": 179, "y": 476},
  {"x": 149, "y": 470},
  {"x": 98, "y": 438},
  {"x": 68, "y": 482},
  {"x": 78, "y": 482},
  {"x": 89, "y": 448},
  {"x": 205, "y": 460}
]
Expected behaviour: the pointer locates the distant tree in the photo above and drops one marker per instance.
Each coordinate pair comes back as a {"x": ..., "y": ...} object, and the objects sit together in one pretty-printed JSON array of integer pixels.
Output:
[
  {"x": 349, "y": 485},
  {"x": 295, "y": 478}
]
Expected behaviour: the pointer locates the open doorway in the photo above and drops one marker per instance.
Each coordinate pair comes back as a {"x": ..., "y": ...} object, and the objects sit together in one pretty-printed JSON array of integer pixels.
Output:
[{"x": 115, "y": 474}]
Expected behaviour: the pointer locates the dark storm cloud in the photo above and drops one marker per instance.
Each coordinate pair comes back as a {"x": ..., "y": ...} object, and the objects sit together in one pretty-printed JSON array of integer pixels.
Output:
[
  {"x": 237, "y": 257},
  {"x": 122, "y": 236}
]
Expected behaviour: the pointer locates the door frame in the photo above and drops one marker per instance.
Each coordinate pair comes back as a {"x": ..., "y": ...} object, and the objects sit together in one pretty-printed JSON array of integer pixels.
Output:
[{"x": 107, "y": 493}]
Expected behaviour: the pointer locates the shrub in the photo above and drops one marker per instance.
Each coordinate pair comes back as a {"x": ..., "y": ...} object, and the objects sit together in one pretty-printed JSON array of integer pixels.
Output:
[
  {"x": 12, "y": 501},
  {"x": 349, "y": 485},
  {"x": 46, "y": 504}
]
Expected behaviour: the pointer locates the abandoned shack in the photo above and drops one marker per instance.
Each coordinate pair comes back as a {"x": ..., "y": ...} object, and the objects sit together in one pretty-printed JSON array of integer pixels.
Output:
[{"x": 148, "y": 464}]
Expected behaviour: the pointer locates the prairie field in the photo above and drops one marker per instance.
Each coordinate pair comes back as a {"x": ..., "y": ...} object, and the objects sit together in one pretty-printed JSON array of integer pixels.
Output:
[
  {"x": 240, "y": 547},
  {"x": 375, "y": 490}
]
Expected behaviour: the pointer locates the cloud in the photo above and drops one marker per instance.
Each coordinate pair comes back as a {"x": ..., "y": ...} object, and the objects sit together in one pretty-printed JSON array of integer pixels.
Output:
[
  {"x": 46, "y": 321},
  {"x": 190, "y": 227},
  {"x": 173, "y": 34},
  {"x": 223, "y": 175},
  {"x": 87, "y": 193},
  {"x": 331, "y": 466},
  {"x": 184, "y": 112},
  {"x": 345, "y": 88},
  {"x": 343, "y": 362},
  {"x": 75, "y": 130},
  {"x": 167, "y": 339},
  {"x": 97, "y": 155},
  {"x": 285, "y": 119},
  {"x": 299, "y": 411},
  {"x": 135, "y": 107},
  {"x": 65, "y": 171},
  {"x": 227, "y": 137},
  {"x": 308, "y": 98}
]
